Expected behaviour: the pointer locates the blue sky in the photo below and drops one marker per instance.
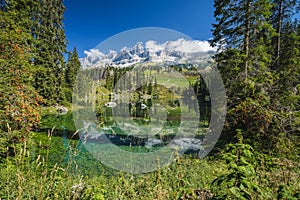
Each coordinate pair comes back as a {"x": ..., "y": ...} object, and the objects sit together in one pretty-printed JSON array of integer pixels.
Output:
[{"x": 89, "y": 22}]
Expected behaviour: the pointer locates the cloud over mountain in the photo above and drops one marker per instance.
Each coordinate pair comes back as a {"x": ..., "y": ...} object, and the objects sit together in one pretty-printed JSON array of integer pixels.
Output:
[{"x": 180, "y": 51}]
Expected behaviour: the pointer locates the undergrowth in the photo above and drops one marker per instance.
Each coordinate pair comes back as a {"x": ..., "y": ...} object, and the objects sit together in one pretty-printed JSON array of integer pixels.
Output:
[{"x": 239, "y": 173}]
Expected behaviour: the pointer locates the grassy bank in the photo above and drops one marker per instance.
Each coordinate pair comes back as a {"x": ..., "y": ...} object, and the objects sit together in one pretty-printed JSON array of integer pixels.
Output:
[
  {"x": 44, "y": 168},
  {"x": 54, "y": 165}
]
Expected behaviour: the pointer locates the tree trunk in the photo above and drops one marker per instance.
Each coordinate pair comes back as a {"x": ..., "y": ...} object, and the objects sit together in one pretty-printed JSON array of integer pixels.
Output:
[
  {"x": 247, "y": 37},
  {"x": 279, "y": 26}
]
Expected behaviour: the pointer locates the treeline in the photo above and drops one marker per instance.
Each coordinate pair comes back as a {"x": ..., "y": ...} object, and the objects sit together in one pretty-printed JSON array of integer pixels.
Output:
[
  {"x": 33, "y": 68},
  {"x": 259, "y": 59}
]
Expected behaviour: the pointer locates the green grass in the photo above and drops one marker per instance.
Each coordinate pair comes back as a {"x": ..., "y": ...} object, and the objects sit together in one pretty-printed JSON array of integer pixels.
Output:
[
  {"x": 173, "y": 78},
  {"x": 45, "y": 168},
  {"x": 30, "y": 176},
  {"x": 49, "y": 167}
]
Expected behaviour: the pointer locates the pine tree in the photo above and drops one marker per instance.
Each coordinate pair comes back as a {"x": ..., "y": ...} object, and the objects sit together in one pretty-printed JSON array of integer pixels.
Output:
[
  {"x": 286, "y": 64},
  {"x": 281, "y": 13},
  {"x": 20, "y": 14},
  {"x": 285, "y": 91},
  {"x": 239, "y": 24},
  {"x": 50, "y": 49},
  {"x": 72, "y": 67},
  {"x": 244, "y": 31}
]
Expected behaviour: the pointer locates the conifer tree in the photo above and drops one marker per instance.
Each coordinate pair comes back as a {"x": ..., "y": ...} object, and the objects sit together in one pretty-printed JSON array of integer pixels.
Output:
[
  {"x": 72, "y": 67},
  {"x": 286, "y": 64},
  {"x": 240, "y": 26},
  {"x": 50, "y": 49},
  {"x": 286, "y": 90},
  {"x": 243, "y": 31},
  {"x": 282, "y": 12},
  {"x": 260, "y": 66}
]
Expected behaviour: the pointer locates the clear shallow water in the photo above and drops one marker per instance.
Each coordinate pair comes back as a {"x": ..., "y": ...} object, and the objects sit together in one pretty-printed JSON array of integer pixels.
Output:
[{"x": 142, "y": 131}]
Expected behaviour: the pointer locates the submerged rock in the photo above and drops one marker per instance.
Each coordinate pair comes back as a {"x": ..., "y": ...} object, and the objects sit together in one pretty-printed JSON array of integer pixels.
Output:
[
  {"x": 153, "y": 142},
  {"x": 143, "y": 106},
  {"x": 185, "y": 144},
  {"x": 110, "y": 104},
  {"x": 61, "y": 110}
]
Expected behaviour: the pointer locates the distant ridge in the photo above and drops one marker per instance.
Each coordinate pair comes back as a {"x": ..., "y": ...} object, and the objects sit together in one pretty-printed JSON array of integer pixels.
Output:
[{"x": 181, "y": 51}]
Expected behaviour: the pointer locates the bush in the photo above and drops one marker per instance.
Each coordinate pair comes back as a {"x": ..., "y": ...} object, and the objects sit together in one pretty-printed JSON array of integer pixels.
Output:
[{"x": 239, "y": 182}]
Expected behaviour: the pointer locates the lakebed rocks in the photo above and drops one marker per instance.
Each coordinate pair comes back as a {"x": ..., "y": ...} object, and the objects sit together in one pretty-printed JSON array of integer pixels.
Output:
[{"x": 61, "y": 109}]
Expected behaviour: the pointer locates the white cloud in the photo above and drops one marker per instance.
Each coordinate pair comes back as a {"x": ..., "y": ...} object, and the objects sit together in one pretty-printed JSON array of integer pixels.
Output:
[
  {"x": 94, "y": 53},
  {"x": 171, "y": 51},
  {"x": 152, "y": 46},
  {"x": 181, "y": 45}
]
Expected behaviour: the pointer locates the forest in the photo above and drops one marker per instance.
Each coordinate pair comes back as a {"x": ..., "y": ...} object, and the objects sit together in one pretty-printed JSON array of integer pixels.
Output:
[{"x": 256, "y": 157}]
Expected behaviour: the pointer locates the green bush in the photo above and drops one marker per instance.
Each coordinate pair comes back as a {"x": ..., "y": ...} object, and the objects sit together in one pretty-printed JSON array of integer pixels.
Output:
[{"x": 240, "y": 181}]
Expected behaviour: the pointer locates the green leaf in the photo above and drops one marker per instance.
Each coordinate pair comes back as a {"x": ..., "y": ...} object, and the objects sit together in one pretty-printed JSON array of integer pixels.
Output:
[{"x": 236, "y": 192}]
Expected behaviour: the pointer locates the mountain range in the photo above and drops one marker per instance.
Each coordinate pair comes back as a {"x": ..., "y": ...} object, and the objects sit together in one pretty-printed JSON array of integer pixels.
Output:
[{"x": 181, "y": 51}]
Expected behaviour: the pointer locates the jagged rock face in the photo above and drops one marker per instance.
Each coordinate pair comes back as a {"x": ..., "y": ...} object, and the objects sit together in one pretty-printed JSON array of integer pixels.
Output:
[{"x": 171, "y": 52}]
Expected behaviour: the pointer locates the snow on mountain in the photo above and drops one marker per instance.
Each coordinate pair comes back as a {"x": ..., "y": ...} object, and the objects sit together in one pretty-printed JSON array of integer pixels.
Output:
[{"x": 171, "y": 52}]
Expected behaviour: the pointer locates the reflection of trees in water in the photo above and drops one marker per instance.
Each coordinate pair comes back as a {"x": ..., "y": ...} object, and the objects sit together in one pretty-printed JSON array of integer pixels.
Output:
[
  {"x": 144, "y": 111},
  {"x": 144, "y": 83},
  {"x": 201, "y": 91}
]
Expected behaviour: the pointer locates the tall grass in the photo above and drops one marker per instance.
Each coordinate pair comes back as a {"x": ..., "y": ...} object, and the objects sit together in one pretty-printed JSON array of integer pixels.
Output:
[
  {"x": 26, "y": 176},
  {"x": 31, "y": 174}
]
